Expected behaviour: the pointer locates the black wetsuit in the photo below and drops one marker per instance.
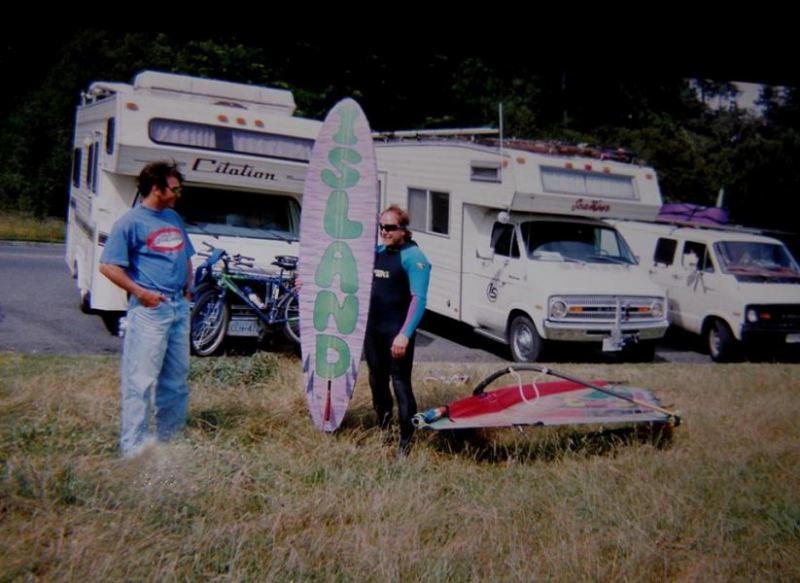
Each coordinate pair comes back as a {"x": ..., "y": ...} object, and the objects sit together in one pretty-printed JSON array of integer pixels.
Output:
[{"x": 399, "y": 296}]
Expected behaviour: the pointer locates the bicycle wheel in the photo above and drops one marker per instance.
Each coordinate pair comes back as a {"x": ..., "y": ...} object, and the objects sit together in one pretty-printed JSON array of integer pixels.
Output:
[
  {"x": 289, "y": 308},
  {"x": 209, "y": 322}
]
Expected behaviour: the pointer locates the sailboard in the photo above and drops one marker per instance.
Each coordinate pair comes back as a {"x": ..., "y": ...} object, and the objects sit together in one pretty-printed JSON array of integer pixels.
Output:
[
  {"x": 569, "y": 401},
  {"x": 692, "y": 214},
  {"x": 337, "y": 252}
]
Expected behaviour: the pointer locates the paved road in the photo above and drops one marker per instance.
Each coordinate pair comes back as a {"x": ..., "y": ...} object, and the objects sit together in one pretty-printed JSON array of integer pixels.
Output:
[
  {"x": 39, "y": 305},
  {"x": 39, "y": 314}
]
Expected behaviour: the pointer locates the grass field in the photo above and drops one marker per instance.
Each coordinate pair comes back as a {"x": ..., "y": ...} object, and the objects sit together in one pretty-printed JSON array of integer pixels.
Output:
[
  {"x": 22, "y": 227},
  {"x": 253, "y": 492}
]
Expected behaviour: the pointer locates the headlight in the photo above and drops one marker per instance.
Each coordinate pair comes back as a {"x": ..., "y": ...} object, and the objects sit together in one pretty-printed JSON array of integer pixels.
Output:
[
  {"x": 658, "y": 310},
  {"x": 558, "y": 309},
  {"x": 752, "y": 315}
]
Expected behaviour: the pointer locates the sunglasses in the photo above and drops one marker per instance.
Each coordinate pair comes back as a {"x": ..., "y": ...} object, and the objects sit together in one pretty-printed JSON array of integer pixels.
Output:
[
  {"x": 177, "y": 190},
  {"x": 390, "y": 228}
]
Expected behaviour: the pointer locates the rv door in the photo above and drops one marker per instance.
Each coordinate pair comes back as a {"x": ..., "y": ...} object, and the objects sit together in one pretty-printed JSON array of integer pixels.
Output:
[{"x": 502, "y": 275}]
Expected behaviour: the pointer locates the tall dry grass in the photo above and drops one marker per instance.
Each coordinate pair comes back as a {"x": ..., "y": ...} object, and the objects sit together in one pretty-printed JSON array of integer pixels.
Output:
[
  {"x": 15, "y": 226},
  {"x": 253, "y": 492}
]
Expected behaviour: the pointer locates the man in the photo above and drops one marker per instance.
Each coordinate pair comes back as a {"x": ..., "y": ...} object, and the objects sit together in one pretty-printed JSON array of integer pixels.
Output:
[
  {"x": 399, "y": 294},
  {"x": 148, "y": 255}
]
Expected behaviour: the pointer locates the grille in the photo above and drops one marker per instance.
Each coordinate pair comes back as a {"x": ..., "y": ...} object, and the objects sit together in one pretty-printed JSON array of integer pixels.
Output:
[{"x": 604, "y": 308}]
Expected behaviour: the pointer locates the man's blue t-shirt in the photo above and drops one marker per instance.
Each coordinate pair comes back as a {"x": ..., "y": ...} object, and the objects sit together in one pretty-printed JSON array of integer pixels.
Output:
[{"x": 153, "y": 247}]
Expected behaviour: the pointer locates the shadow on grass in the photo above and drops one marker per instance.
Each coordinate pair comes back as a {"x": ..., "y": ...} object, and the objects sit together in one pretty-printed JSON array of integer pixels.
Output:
[{"x": 522, "y": 444}]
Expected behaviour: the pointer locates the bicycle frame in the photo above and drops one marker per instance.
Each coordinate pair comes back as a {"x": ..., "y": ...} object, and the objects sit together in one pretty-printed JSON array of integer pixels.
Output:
[
  {"x": 274, "y": 284},
  {"x": 222, "y": 299}
]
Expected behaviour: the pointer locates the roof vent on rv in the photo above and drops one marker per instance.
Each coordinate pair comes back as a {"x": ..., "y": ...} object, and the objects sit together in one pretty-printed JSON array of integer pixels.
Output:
[
  {"x": 230, "y": 104},
  {"x": 212, "y": 91}
]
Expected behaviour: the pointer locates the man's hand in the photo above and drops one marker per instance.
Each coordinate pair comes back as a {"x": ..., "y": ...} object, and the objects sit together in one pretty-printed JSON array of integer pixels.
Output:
[
  {"x": 149, "y": 298},
  {"x": 399, "y": 346}
]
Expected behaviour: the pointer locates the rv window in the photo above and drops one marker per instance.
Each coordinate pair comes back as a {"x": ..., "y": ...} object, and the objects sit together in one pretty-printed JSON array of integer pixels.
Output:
[
  {"x": 89, "y": 160},
  {"x": 578, "y": 182},
  {"x": 110, "y": 136},
  {"x": 747, "y": 257},
  {"x": 239, "y": 214},
  {"x": 91, "y": 163},
  {"x": 665, "y": 251},
  {"x": 429, "y": 211},
  {"x": 503, "y": 240},
  {"x": 95, "y": 166},
  {"x": 207, "y": 137},
  {"x": 77, "y": 159},
  {"x": 695, "y": 256},
  {"x": 485, "y": 172},
  {"x": 574, "y": 241}
]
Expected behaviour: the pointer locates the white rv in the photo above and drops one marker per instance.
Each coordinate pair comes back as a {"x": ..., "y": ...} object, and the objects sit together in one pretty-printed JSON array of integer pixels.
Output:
[
  {"x": 517, "y": 247},
  {"x": 241, "y": 150},
  {"x": 736, "y": 288}
]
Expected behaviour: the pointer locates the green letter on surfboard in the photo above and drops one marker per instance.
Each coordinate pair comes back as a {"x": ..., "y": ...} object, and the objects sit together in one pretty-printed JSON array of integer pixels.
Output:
[
  {"x": 338, "y": 260},
  {"x": 346, "y": 315},
  {"x": 337, "y": 224},
  {"x": 331, "y": 370},
  {"x": 346, "y": 134},
  {"x": 349, "y": 176}
]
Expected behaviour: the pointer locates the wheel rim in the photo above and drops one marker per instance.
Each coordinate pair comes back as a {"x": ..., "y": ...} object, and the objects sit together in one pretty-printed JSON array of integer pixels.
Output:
[
  {"x": 292, "y": 315},
  {"x": 714, "y": 342},
  {"x": 207, "y": 324},
  {"x": 523, "y": 340}
]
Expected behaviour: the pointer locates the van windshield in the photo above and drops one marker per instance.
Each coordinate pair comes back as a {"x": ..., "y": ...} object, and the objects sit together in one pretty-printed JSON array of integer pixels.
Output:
[
  {"x": 756, "y": 258},
  {"x": 565, "y": 241},
  {"x": 233, "y": 213}
]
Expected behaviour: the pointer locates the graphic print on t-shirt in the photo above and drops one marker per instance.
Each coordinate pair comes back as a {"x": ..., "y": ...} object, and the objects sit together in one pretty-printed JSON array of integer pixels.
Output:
[{"x": 166, "y": 240}]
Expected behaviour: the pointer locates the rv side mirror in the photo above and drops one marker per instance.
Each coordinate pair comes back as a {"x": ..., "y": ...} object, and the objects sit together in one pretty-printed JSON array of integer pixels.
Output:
[{"x": 484, "y": 252}]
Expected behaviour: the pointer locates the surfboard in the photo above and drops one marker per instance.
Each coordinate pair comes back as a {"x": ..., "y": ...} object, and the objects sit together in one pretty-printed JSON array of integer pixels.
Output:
[{"x": 337, "y": 253}]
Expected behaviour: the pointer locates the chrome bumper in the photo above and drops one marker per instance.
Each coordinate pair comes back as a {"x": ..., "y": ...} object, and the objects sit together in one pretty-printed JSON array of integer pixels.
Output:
[{"x": 595, "y": 332}]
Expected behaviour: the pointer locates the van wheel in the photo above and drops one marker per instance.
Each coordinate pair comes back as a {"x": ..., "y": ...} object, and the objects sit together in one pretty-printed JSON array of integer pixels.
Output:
[
  {"x": 525, "y": 342},
  {"x": 722, "y": 345}
]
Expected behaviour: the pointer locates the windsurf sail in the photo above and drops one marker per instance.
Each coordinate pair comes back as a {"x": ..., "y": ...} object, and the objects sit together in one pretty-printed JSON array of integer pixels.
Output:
[
  {"x": 693, "y": 214},
  {"x": 570, "y": 401}
]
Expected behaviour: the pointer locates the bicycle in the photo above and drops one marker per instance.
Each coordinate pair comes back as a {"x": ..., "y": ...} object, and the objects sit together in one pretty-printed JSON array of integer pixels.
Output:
[{"x": 228, "y": 300}]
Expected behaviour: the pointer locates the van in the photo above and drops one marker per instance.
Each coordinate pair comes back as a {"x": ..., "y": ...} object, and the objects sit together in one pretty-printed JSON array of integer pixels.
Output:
[{"x": 738, "y": 289}]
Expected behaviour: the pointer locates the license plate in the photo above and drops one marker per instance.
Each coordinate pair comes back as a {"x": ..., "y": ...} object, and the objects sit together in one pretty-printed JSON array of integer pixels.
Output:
[
  {"x": 244, "y": 327},
  {"x": 792, "y": 338},
  {"x": 611, "y": 345}
]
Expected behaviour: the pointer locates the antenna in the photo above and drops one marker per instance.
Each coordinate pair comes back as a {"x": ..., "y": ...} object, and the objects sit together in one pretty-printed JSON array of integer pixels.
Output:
[{"x": 500, "y": 114}]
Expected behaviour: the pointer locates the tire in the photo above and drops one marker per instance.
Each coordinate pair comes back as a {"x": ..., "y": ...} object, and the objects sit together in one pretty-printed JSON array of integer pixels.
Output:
[
  {"x": 86, "y": 302},
  {"x": 722, "y": 345},
  {"x": 111, "y": 321},
  {"x": 289, "y": 308},
  {"x": 525, "y": 343},
  {"x": 209, "y": 322}
]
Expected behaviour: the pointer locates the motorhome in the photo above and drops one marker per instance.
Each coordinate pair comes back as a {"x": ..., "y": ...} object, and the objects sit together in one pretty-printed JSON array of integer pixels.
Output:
[
  {"x": 514, "y": 235},
  {"x": 738, "y": 289},
  {"x": 243, "y": 153}
]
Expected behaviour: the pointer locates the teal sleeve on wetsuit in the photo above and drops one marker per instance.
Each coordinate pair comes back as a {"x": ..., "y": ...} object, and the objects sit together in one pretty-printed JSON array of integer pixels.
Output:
[{"x": 418, "y": 268}]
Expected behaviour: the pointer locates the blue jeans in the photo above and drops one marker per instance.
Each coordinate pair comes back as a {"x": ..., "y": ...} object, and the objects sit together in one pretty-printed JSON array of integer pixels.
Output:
[{"x": 155, "y": 362}]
